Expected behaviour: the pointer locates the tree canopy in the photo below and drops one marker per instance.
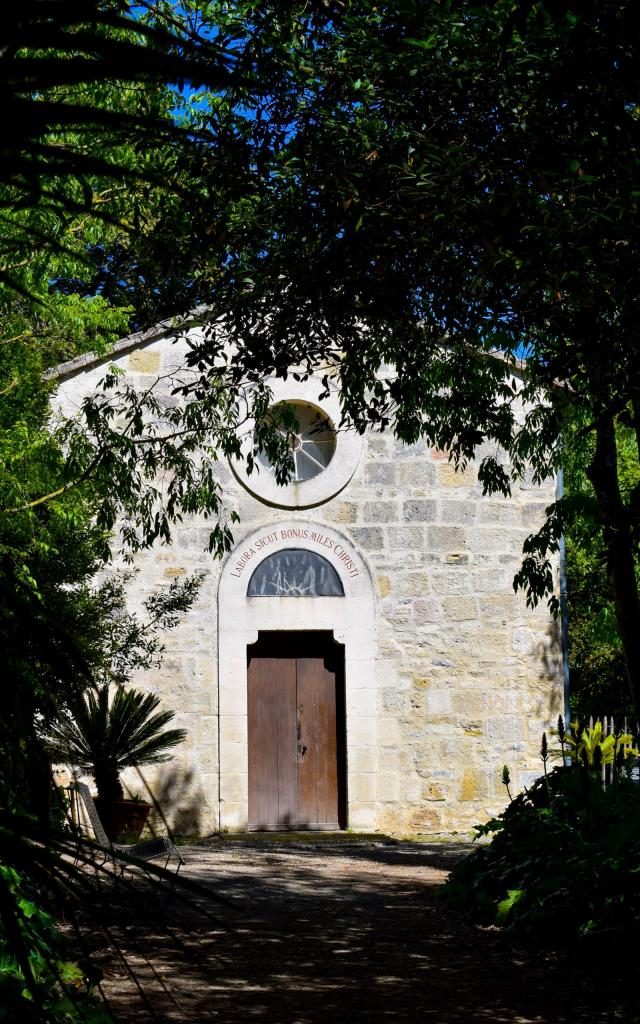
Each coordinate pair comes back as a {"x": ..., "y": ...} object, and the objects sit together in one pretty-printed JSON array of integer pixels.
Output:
[
  {"x": 430, "y": 183},
  {"x": 407, "y": 197},
  {"x": 409, "y": 185},
  {"x": 59, "y": 204}
]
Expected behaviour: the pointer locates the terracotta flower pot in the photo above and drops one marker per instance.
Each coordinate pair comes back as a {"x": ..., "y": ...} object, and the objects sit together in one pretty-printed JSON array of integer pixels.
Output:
[{"x": 123, "y": 818}]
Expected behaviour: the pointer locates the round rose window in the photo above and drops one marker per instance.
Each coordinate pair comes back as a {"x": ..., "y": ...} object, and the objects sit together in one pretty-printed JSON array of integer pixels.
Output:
[
  {"x": 312, "y": 444},
  {"x": 323, "y": 459}
]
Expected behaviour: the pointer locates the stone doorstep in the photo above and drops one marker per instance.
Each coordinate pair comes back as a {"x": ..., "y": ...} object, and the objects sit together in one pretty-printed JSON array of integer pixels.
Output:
[{"x": 341, "y": 838}]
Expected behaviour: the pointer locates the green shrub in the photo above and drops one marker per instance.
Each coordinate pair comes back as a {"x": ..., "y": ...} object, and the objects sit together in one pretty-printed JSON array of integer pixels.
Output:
[
  {"x": 563, "y": 861},
  {"x": 41, "y": 981}
]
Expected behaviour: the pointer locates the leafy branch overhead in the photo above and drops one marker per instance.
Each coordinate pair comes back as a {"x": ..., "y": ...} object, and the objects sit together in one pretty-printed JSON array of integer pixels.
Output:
[
  {"x": 76, "y": 71},
  {"x": 69, "y": 55},
  {"x": 132, "y": 643},
  {"x": 407, "y": 198},
  {"x": 435, "y": 182},
  {"x": 392, "y": 194}
]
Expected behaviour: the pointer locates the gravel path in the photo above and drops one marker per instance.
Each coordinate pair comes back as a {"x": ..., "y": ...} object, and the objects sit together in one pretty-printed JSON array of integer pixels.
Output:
[{"x": 318, "y": 932}]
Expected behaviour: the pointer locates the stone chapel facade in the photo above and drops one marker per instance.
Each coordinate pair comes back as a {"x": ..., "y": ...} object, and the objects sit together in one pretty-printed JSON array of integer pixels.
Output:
[{"x": 359, "y": 660}]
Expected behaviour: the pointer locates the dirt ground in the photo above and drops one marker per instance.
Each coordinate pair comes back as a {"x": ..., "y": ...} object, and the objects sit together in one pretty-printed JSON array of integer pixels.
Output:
[{"x": 316, "y": 932}]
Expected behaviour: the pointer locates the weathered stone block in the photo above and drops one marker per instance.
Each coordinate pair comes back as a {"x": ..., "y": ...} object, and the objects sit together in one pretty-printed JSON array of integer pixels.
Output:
[
  {"x": 208, "y": 730},
  {"x": 463, "y": 512},
  {"x": 363, "y": 758},
  {"x": 413, "y": 584},
  {"x": 384, "y": 585},
  {"x": 390, "y": 732},
  {"x": 425, "y": 820},
  {"x": 193, "y": 537},
  {"x": 433, "y": 791},
  {"x": 388, "y": 786},
  {"x": 144, "y": 360},
  {"x": 419, "y": 510},
  {"x": 473, "y": 728},
  {"x": 428, "y": 609},
  {"x": 422, "y": 682},
  {"x": 379, "y": 444},
  {"x": 447, "y": 476},
  {"x": 494, "y": 512},
  {"x": 370, "y": 538},
  {"x": 460, "y": 608},
  {"x": 528, "y": 778},
  {"x": 498, "y": 606},
  {"x": 490, "y": 580},
  {"x": 363, "y": 787},
  {"x": 420, "y": 475},
  {"x": 405, "y": 538},
  {"x": 446, "y": 538},
  {"x": 471, "y": 702},
  {"x": 417, "y": 450},
  {"x": 488, "y": 539},
  {"x": 532, "y": 515},
  {"x": 474, "y": 784},
  {"x": 343, "y": 512},
  {"x": 380, "y": 511},
  {"x": 506, "y": 729},
  {"x": 438, "y": 702},
  {"x": 524, "y": 640},
  {"x": 381, "y": 473}
]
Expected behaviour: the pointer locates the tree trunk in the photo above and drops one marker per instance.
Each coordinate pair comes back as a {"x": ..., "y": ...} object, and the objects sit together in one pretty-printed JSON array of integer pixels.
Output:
[
  {"x": 32, "y": 762},
  {"x": 635, "y": 405},
  {"x": 603, "y": 474},
  {"x": 107, "y": 780}
]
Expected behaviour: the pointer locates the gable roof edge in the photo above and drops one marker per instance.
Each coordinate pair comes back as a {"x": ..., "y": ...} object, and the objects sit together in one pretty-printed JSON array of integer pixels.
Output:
[{"x": 139, "y": 339}]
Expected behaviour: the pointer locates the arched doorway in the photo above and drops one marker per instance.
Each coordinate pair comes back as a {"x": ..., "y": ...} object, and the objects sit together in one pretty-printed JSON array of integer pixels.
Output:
[{"x": 296, "y": 626}]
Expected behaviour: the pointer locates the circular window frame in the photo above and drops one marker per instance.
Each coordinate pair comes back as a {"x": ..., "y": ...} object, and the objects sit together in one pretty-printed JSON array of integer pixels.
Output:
[
  {"x": 321, "y": 488},
  {"x": 301, "y": 409}
]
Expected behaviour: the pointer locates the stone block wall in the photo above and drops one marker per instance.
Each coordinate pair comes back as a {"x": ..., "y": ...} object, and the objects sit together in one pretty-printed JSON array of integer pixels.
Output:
[{"x": 467, "y": 677}]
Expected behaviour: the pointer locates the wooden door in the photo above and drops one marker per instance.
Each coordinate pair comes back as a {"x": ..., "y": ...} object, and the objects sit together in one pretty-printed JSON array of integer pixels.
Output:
[{"x": 296, "y": 732}]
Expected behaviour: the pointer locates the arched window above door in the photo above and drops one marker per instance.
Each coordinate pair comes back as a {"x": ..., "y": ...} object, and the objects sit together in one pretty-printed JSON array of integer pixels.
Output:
[{"x": 295, "y": 572}]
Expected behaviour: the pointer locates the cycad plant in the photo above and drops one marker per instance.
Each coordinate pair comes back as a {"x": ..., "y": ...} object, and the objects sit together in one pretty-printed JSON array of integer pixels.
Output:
[
  {"x": 591, "y": 747},
  {"x": 113, "y": 728}
]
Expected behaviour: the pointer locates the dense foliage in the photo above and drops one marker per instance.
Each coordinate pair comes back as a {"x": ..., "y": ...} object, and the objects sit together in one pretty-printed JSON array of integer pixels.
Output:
[
  {"x": 380, "y": 178},
  {"x": 596, "y": 657},
  {"x": 40, "y": 977},
  {"x": 417, "y": 185},
  {"x": 408, "y": 184},
  {"x": 562, "y": 861},
  {"x": 70, "y": 72},
  {"x": 76, "y": 71}
]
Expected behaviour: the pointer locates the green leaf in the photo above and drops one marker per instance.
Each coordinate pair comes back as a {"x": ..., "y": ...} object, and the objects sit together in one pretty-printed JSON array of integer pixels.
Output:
[
  {"x": 506, "y": 905},
  {"x": 424, "y": 44}
]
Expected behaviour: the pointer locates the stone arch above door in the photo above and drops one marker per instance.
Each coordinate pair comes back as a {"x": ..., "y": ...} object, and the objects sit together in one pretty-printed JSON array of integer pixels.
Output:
[{"x": 351, "y": 619}]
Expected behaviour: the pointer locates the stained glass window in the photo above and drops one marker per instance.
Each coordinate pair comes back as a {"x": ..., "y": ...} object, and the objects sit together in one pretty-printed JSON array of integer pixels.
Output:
[
  {"x": 312, "y": 447},
  {"x": 295, "y": 572}
]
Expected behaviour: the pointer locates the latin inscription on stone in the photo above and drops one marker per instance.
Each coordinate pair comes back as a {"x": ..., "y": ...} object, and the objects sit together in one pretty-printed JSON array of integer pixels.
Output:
[{"x": 318, "y": 539}]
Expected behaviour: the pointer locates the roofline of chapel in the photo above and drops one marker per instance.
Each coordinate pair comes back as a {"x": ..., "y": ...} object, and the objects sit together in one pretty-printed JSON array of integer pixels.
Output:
[{"x": 173, "y": 325}]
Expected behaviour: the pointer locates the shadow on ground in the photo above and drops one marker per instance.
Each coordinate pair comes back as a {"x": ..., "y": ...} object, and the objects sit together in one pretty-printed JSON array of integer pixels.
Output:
[{"x": 319, "y": 933}]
